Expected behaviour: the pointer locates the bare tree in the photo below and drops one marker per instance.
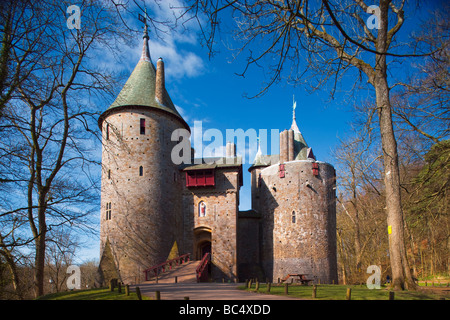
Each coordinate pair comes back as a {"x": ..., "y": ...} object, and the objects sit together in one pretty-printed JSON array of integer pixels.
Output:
[
  {"x": 13, "y": 29},
  {"x": 421, "y": 105},
  {"x": 357, "y": 158},
  {"x": 424, "y": 185},
  {"x": 49, "y": 128},
  {"x": 334, "y": 38},
  {"x": 60, "y": 252}
]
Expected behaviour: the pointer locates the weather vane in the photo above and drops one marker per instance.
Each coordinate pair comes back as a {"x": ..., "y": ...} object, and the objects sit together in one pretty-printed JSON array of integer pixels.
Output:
[
  {"x": 145, "y": 50},
  {"x": 142, "y": 18}
]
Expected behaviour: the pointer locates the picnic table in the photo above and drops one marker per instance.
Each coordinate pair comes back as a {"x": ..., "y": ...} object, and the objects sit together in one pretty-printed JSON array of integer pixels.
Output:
[{"x": 298, "y": 277}]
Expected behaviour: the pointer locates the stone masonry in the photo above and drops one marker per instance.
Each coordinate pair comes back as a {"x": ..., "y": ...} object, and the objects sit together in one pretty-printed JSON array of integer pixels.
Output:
[
  {"x": 143, "y": 188},
  {"x": 153, "y": 209},
  {"x": 298, "y": 221}
]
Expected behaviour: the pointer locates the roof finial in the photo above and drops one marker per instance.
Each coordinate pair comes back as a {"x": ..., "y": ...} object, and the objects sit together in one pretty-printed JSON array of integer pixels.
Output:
[
  {"x": 145, "y": 50},
  {"x": 258, "y": 156},
  {"x": 145, "y": 32},
  {"x": 294, "y": 123},
  {"x": 145, "y": 24},
  {"x": 259, "y": 144}
]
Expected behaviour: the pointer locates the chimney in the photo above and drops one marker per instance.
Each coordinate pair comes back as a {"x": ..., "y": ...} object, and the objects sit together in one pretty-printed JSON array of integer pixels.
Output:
[
  {"x": 290, "y": 145},
  {"x": 283, "y": 146},
  {"x": 160, "y": 87},
  {"x": 230, "y": 150}
]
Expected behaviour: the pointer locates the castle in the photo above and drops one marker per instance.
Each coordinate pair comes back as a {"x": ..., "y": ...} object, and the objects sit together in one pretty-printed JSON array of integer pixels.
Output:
[{"x": 153, "y": 209}]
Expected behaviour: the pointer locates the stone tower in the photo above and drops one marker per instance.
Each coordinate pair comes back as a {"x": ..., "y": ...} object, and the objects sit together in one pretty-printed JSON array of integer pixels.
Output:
[
  {"x": 141, "y": 216},
  {"x": 153, "y": 210},
  {"x": 295, "y": 195}
]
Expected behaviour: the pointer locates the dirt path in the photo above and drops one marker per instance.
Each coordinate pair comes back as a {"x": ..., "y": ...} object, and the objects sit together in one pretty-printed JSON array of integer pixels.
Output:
[{"x": 204, "y": 291}]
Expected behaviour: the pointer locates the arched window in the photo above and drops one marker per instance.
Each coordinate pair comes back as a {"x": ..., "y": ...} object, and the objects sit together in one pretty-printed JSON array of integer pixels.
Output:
[
  {"x": 141, "y": 171},
  {"x": 202, "y": 209},
  {"x": 293, "y": 216}
]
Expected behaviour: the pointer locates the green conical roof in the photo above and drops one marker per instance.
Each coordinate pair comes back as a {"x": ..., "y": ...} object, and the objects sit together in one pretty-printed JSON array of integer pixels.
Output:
[
  {"x": 139, "y": 90},
  {"x": 300, "y": 146}
]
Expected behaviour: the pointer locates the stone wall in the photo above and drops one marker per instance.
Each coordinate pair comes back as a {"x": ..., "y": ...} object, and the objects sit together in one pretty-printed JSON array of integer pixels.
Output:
[
  {"x": 255, "y": 185},
  {"x": 146, "y": 218},
  {"x": 248, "y": 242},
  {"x": 299, "y": 221},
  {"x": 220, "y": 220}
]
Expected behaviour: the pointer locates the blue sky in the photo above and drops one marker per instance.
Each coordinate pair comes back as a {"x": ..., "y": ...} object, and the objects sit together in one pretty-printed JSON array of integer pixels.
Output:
[{"x": 208, "y": 90}]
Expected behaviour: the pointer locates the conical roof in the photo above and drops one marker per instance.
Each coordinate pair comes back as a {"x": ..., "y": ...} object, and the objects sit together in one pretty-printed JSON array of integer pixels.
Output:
[
  {"x": 139, "y": 90},
  {"x": 263, "y": 160},
  {"x": 300, "y": 145},
  {"x": 259, "y": 156}
]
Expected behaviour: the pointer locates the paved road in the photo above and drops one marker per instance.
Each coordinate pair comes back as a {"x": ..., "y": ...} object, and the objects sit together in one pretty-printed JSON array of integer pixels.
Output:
[{"x": 204, "y": 291}]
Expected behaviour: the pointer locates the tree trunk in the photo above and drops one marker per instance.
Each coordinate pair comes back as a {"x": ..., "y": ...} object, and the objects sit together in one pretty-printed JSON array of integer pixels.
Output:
[
  {"x": 39, "y": 266},
  {"x": 354, "y": 202},
  {"x": 39, "y": 261},
  {"x": 401, "y": 274},
  {"x": 413, "y": 251},
  {"x": 12, "y": 269},
  {"x": 357, "y": 237},
  {"x": 343, "y": 256}
]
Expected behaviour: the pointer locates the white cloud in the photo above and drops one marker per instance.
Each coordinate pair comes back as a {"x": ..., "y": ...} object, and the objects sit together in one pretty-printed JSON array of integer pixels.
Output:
[
  {"x": 178, "y": 63},
  {"x": 176, "y": 44}
]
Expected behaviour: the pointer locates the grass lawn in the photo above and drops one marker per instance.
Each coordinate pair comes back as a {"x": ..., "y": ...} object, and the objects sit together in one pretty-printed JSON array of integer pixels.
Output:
[
  {"x": 338, "y": 292},
  {"x": 92, "y": 294}
]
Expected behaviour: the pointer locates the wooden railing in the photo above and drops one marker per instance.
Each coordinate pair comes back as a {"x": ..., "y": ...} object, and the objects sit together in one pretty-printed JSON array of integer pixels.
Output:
[
  {"x": 202, "y": 269},
  {"x": 162, "y": 267}
]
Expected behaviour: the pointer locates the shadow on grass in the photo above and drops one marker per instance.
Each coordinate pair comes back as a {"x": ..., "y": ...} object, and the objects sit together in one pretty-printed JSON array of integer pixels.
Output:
[
  {"x": 338, "y": 292},
  {"x": 91, "y": 294}
]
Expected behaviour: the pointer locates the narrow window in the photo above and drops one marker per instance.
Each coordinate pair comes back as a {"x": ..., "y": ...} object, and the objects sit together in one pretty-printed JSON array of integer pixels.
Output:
[
  {"x": 142, "y": 126},
  {"x": 108, "y": 211},
  {"x": 109, "y": 173},
  {"x": 107, "y": 131},
  {"x": 141, "y": 171},
  {"x": 293, "y": 216}
]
